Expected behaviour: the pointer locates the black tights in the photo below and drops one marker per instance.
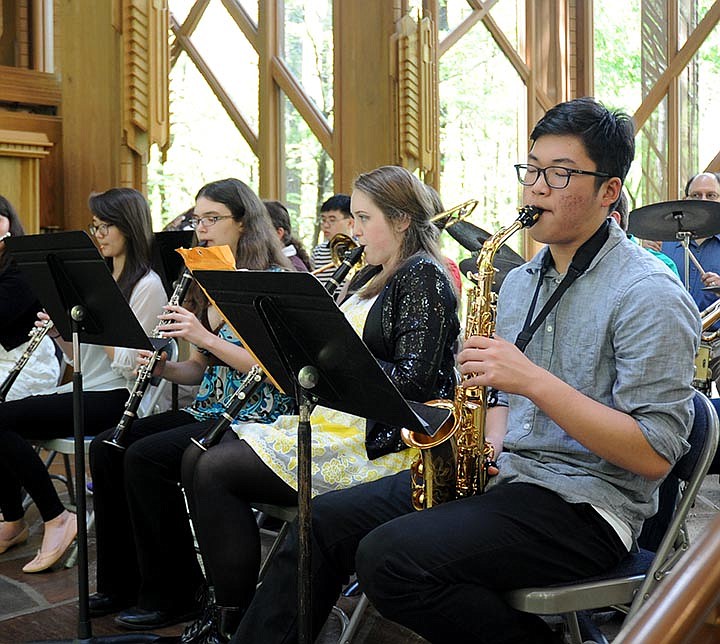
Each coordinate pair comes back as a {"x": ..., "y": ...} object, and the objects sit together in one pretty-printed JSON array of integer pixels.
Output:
[{"x": 221, "y": 485}]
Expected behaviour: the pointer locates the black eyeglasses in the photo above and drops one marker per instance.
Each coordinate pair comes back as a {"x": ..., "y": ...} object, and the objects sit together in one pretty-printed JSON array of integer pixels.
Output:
[
  {"x": 556, "y": 176},
  {"x": 102, "y": 229},
  {"x": 207, "y": 221}
]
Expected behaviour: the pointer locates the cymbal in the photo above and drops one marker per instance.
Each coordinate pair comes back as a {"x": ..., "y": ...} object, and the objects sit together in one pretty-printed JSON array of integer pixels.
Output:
[
  {"x": 503, "y": 266},
  {"x": 471, "y": 238},
  {"x": 662, "y": 221}
]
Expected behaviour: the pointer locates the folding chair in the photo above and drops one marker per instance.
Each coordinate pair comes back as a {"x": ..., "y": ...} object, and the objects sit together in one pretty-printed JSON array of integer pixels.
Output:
[
  {"x": 629, "y": 584},
  {"x": 287, "y": 514},
  {"x": 151, "y": 403}
]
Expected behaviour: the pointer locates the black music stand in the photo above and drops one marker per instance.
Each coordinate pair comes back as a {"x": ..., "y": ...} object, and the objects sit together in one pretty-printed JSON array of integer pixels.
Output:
[
  {"x": 305, "y": 344},
  {"x": 166, "y": 262},
  {"x": 76, "y": 288}
]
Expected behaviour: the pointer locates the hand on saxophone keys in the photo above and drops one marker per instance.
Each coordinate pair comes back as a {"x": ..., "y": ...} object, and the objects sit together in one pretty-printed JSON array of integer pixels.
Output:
[{"x": 495, "y": 362}]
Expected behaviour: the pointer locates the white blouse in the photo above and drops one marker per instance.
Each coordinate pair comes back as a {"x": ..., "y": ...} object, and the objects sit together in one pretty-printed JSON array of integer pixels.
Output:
[{"x": 99, "y": 374}]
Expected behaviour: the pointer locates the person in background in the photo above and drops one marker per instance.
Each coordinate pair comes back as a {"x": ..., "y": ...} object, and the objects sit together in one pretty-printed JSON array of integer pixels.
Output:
[
  {"x": 404, "y": 307},
  {"x": 18, "y": 308},
  {"x": 292, "y": 247},
  {"x": 620, "y": 213},
  {"x": 146, "y": 561},
  {"x": 335, "y": 217},
  {"x": 706, "y": 250},
  {"x": 586, "y": 425},
  {"x": 123, "y": 230}
]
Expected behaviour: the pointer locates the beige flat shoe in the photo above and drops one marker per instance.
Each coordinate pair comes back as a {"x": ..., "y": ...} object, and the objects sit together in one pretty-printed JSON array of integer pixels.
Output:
[
  {"x": 20, "y": 537},
  {"x": 44, "y": 560}
]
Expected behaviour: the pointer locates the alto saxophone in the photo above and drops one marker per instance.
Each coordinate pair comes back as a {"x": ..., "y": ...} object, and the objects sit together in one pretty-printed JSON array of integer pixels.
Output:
[{"x": 454, "y": 463}]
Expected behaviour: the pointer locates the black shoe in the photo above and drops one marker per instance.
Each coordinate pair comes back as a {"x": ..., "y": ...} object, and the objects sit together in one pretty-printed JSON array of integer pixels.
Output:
[
  {"x": 140, "y": 619},
  {"x": 101, "y": 604}
]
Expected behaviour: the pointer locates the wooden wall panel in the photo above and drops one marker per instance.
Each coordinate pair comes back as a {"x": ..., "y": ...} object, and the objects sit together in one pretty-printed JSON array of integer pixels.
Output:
[
  {"x": 91, "y": 108},
  {"x": 365, "y": 128}
]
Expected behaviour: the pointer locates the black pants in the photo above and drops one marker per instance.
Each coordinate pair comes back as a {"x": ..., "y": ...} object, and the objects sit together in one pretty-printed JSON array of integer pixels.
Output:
[
  {"x": 221, "y": 485},
  {"x": 440, "y": 572},
  {"x": 39, "y": 418},
  {"x": 145, "y": 549}
]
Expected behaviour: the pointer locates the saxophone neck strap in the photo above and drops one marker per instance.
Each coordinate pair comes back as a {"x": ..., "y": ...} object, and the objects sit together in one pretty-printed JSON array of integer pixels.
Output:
[{"x": 579, "y": 264}]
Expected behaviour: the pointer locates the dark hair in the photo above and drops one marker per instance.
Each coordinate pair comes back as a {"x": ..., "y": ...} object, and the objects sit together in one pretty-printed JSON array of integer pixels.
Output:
[
  {"x": 608, "y": 136},
  {"x": 15, "y": 230},
  {"x": 399, "y": 195},
  {"x": 280, "y": 218},
  {"x": 695, "y": 176},
  {"x": 127, "y": 210},
  {"x": 338, "y": 202},
  {"x": 258, "y": 247}
]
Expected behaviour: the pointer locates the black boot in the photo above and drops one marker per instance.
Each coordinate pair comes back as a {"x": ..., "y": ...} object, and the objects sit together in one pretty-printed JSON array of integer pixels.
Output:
[
  {"x": 196, "y": 632},
  {"x": 227, "y": 619}
]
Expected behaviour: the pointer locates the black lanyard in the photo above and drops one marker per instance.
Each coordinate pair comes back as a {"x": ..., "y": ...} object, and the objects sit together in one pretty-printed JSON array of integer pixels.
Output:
[{"x": 579, "y": 264}]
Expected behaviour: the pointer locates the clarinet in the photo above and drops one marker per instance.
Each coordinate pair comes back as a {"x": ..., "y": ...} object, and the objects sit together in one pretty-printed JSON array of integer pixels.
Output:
[
  {"x": 37, "y": 335},
  {"x": 251, "y": 383},
  {"x": 341, "y": 272},
  {"x": 142, "y": 382}
]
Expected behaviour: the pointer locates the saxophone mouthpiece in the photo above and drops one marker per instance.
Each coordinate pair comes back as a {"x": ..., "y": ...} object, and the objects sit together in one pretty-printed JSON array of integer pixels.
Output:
[{"x": 528, "y": 215}]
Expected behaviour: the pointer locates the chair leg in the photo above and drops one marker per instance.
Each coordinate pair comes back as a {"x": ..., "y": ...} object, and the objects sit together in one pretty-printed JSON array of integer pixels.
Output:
[
  {"x": 273, "y": 549},
  {"x": 69, "y": 480},
  {"x": 350, "y": 626}
]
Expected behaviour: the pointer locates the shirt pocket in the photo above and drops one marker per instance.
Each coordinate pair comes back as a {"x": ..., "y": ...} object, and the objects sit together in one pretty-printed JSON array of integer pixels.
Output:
[{"x": 578, "y": 359}]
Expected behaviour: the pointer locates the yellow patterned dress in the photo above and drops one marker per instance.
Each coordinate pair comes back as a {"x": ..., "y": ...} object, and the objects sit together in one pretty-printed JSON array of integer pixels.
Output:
[{"x": 339, "y": 459}]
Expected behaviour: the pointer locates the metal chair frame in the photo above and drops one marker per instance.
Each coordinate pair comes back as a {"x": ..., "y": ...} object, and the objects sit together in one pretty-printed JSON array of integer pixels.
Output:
[
  {"x": 349, "y": 625},
  {"x": 627, "y": 586}
]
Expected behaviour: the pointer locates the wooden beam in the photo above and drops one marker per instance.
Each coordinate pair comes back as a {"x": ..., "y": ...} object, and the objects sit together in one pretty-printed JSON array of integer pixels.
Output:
[
  {"x": 29, "y": 87},
  {"x": 677, "y": 64},
  {"x": 227, "y": 103},
  {"x": 244, "y": 21},
  {"x": 480, "y": 10},
  {"x": 188, "y": 27},
  {"x": 306, "y": 107}
]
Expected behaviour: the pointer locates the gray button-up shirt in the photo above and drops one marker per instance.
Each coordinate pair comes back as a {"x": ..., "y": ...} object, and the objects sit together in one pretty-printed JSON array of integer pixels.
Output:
[{"x": 624, "y": 334}]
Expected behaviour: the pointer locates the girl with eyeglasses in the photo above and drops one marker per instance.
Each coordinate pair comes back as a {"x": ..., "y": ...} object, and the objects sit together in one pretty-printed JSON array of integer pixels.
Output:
[
  {"x": 129, "y": 575},
  {"x": 123, "y": 231}
]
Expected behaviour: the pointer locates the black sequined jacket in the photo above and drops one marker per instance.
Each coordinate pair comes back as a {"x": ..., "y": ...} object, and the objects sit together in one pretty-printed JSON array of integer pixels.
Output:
[{"x": 411, "y": 330}]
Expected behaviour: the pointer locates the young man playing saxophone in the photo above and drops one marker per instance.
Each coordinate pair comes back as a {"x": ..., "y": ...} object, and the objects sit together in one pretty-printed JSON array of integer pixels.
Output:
[{"x": 588, "y": 423}]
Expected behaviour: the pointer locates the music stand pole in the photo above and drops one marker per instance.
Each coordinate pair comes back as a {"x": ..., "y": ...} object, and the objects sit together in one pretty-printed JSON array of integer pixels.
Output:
[
  {"x": 307, "y": 379},
  {"x": 77, "y": 315},
  {"x": 75, "y": 286}
]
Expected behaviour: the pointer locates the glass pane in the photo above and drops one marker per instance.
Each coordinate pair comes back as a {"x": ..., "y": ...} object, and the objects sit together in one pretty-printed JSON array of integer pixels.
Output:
[
  {"x": 231, "y": 58},
  {"x": 708, "y": 100},
  {"x": 450, "y": 14},
  {"x": 309, "y": 175},
  {"x": 206, "y": 146},
  {"x": 482, "y": 112},
  {"x": 180, "y": 9},
  {"x": 652, "y": 151},
  {"x": 617, "y": 55},
  {"x": 308, "y": 49}
]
